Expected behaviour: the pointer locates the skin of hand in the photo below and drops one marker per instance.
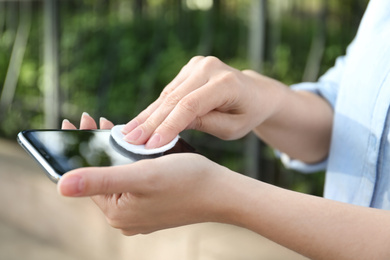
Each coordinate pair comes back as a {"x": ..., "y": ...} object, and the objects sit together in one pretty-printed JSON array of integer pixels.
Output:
[
  {"x": 212, "y": 97},
  {"x": 138, "y": 193},
  {"x": 181, "y": 189},
  {"x": 209, "y": 96}
]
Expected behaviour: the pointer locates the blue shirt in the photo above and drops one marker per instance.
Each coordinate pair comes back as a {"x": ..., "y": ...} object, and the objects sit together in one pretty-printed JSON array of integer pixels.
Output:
[{"x": 358, "y": 88}]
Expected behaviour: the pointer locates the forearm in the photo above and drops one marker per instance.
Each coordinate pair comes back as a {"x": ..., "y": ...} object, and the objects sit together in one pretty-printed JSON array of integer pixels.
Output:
[
  {"x": 300, "y": 127},
  {"x": 312, "y": 226}
]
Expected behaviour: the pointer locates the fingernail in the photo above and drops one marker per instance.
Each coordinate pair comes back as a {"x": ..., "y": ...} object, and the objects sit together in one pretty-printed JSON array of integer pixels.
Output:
[
  {"x": 130, "y": 126},
  {"x": 85, "y": 114},
  {"x": 153, "y": 142},
  {"x": 72, "y": 186},
  {"x": 65, "y": 121},
  {"x": 103, "y": 118},
  {"x": 133, "y": 135}
]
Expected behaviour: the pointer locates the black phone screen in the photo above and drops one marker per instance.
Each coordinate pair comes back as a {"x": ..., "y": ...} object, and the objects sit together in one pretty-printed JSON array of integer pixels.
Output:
[
  {"x": 59, "y": 151},
  {"x": 66, "y": 150}
]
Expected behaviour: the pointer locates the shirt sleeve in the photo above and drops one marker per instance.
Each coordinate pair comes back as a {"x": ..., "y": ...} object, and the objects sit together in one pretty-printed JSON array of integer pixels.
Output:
[{"x": 326, "y": 87}]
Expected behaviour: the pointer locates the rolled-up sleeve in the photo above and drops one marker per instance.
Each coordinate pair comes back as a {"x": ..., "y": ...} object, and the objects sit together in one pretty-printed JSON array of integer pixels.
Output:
[{"x": 327, "y": 87}]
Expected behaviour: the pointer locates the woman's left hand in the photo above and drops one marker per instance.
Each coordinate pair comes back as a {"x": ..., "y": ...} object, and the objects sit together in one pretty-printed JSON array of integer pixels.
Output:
[{"x": 153, "y": 194}]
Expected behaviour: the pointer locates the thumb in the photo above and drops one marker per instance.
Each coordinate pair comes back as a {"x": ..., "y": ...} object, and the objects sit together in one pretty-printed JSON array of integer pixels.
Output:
[{"x": 101, "y": 180}]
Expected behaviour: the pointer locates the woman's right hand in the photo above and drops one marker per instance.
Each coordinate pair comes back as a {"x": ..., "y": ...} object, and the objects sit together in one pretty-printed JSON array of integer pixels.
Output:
[{"x": 209, "y": 96}]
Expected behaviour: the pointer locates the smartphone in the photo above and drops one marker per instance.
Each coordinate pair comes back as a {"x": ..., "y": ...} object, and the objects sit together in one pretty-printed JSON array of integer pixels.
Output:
[{"x": 59, "y": 151}]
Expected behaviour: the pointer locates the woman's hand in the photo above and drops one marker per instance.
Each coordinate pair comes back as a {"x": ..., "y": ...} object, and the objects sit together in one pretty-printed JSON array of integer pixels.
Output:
[
  {"x": 150, "y": 195},
  {"x": 209, "y": 96}
]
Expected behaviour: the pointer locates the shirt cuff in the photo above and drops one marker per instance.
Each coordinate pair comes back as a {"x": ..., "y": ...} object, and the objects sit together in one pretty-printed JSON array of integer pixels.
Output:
[
  {"x": 301, "y": 166},
  {"x": 326, "y": 90}
]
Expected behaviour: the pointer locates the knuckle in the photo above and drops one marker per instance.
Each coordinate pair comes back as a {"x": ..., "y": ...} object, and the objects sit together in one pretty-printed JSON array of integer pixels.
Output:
[
  {"x": 172, "y": 99},
  {"x": 227, "y": 78},
  {"x": 189, "y": 105},
  {"x": 195, "y": 59},
  {"x": 165, "y": 93},
  {"x": 106, "y": 184},
  {"x": 230, "y": 82},
  {"x": 149, "y": 124},
  {"x": 211, "y": 61},
  {"x": 248, "y": 72},
  {"x": 170, "y": 126}
]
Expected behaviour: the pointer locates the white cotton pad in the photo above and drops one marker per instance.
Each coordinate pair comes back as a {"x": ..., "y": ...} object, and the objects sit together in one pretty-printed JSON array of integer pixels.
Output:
[{"x": 117, "y": 135}]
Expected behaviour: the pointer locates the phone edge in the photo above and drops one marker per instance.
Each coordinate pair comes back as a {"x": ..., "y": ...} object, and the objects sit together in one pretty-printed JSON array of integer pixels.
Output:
[{"x": 30, "y": 149}]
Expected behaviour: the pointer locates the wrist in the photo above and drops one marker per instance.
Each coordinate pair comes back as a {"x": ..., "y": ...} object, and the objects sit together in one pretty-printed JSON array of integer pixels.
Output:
[
  {"x": 274, "y": 96},
  {"x": 268, "y": 97},
  {"x": 232, "y": 203}
]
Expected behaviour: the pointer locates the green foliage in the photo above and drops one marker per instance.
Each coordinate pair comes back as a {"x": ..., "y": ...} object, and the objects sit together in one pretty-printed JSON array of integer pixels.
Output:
[{"x": 115, "y": 58}]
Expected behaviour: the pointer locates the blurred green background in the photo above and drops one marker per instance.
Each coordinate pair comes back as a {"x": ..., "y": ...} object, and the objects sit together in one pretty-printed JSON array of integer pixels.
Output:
[{"x": 112, "y": 58}]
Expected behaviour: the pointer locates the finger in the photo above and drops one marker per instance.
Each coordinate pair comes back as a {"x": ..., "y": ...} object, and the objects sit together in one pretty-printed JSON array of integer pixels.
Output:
[
  {"x": 141, "y": 118},
  {"x": 67, "y": 125},
  {"x": 105, "y": 123},
  {"x": 174, "y": 84},
  {"x": 195, "y": 105},
  {"x": 182, "y": 76},
  {"x": 87, "y": 122},
  {"x": 104, "y": 180},
  {"x": 142, "y": 133}
]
